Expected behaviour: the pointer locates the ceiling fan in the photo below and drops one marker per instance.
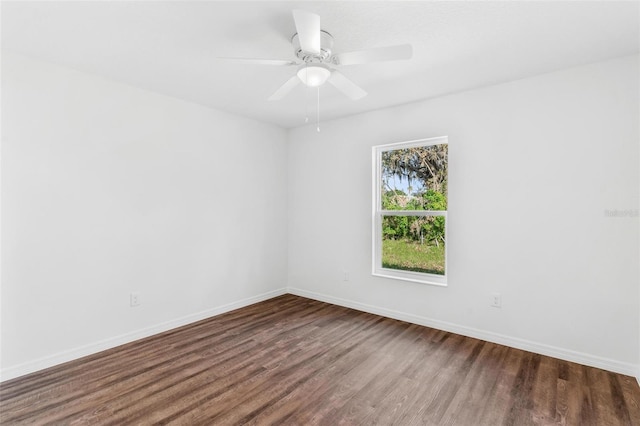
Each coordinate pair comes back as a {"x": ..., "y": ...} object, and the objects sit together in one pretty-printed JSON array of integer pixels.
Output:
[{"x": 317, "y": 63}]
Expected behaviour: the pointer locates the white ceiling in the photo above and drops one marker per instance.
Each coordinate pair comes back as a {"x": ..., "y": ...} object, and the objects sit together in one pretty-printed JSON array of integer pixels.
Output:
[{"x": 172, "y": 47}]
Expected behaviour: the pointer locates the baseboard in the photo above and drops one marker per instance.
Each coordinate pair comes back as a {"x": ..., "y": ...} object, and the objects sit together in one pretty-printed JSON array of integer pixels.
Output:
[
  {"x": 543, "y": 349},
  {"x": 539, "y": 348},
  {"x": 92, "y": 348}
]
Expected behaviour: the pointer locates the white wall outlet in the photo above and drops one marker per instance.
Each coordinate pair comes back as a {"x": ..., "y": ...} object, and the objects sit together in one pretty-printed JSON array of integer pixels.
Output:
[
  {"x": 496, "y": 300},
  {"x": 134, "y": 299},
  {"x": 345, "y": 276}
]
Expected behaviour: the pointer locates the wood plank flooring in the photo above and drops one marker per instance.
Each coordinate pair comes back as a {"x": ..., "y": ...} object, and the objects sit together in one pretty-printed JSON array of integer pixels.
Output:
[{"x": 295, "y": 361}]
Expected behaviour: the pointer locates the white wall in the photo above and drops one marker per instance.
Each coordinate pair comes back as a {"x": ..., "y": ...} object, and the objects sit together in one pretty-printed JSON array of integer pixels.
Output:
[
  {"x": 108, "y": 189},
  {"x": 534, "y": 164}
]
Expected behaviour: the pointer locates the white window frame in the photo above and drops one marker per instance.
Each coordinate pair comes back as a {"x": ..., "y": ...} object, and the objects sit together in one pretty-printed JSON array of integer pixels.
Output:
[{"x": 378, "y": 213}]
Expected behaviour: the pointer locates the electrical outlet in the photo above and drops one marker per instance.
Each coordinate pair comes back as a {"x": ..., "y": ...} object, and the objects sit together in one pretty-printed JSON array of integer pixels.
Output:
[
  {"x": 345, "y": 276},
  {"x": 496, "y": 300},
  {"x": 134, "y": 299}
]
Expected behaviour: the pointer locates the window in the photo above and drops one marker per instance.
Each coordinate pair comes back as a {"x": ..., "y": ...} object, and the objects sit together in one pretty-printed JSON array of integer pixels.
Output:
[{"x": 410, "y": 210}]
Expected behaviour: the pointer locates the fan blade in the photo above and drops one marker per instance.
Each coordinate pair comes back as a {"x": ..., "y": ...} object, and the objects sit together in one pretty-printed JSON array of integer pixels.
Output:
[
  {"x": 255, "y": 61},
  {"x": 378, "y": 54},
  {"x": 346, "y": 86},
  {"x": 308, "y": 28},
  {"x": 285, "y": 88}
]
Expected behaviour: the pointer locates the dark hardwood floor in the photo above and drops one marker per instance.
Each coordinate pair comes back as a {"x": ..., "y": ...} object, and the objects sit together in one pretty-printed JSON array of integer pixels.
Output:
[{"x": 296, "y": 361}]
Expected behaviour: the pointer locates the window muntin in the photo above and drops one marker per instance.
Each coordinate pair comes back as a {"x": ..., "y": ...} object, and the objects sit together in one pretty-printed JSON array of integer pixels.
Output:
[{"x": 410, "y": 210}]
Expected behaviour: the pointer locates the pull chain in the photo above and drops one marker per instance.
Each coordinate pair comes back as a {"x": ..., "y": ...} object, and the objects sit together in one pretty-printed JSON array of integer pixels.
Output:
[
  {"x": 306, "y": 106},
  {"x": 318, "y": 112},
  {"x": 306, "y": 100}
]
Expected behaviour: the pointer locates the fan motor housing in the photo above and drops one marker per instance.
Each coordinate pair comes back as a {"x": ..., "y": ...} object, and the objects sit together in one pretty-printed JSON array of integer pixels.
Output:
[{"x": 326, "y": 44}]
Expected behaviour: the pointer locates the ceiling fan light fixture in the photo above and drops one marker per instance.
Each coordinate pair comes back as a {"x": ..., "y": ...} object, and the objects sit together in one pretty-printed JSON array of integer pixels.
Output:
[{"x": 314, "y": 75}]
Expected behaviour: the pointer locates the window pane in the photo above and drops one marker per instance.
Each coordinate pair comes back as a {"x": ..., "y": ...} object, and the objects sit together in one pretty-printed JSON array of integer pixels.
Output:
[
  {"x": 414, "y": 178},
  {"x": 414, "y": 243}
]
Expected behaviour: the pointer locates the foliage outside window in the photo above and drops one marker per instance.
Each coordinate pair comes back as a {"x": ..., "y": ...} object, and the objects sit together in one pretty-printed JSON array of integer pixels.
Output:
[{"x": 410, "y": 210}]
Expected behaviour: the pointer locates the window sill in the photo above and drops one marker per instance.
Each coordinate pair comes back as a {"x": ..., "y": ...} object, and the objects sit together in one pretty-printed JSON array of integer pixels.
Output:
[{"x": 416, "y": 277}]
